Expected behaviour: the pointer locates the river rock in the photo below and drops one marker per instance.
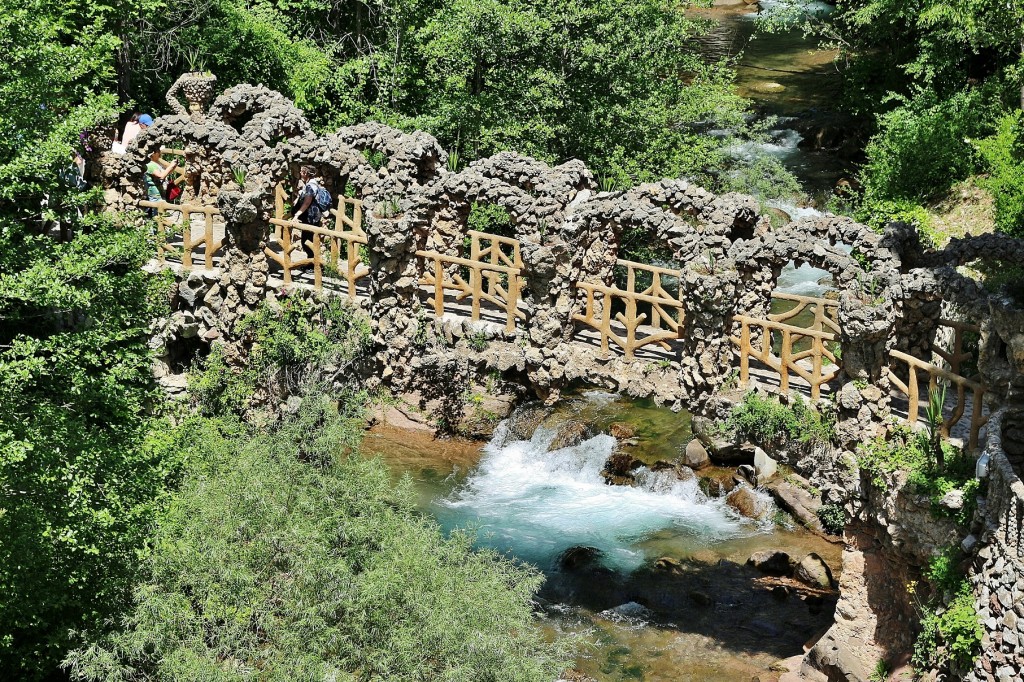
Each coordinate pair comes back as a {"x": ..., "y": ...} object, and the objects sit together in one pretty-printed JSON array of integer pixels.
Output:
[
  {"x": 812, "y": 570},
  {"x": 618, "y": 470},
  {"x": 682, "y": 473},
  {"x": 570, "y": 433},
  {"x": 524, "y": 421},
  {"x": 580, "y": 558},
  {"x": 669, "y": 565},
  {"x": 764, "y": 466},
  {"x": 622, "y": 431},
  {"x": 771, "y": 562},
  {"x": 746, "y": 473},
  {"x": 746, "y": 502},
  {"x": 696, "y": 455}
]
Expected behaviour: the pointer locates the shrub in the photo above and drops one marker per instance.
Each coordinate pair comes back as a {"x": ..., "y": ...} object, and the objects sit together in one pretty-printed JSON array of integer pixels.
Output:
[
  {"x": 949, "y": 635},
  {"x": 1003, "y": 154},
  {"x": 269, "y": 567},
  {"x": 912, "y": 453},
  {"x": 766, "y": 421},
  {"x": 833, "y": 518},
  {"x": 922, "y": 148}
]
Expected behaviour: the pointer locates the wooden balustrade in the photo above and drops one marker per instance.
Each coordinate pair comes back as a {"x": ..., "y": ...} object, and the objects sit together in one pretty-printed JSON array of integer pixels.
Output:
[
  {"x": 824, "y": 311},
  {"x": 486, "y": 284},
  {"x": 347, "y": 228},
  {"x": 185, "y": 212},
  {"x": 666, "y": 310},
  {"x": 956, "y": 356},
  {"x": 913, "y": 392},
  {"x": 788, "y": 360}
]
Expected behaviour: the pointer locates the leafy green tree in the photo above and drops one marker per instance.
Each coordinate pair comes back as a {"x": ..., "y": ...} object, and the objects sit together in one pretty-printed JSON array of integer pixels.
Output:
[
  {"x": 79, "y": 471},
  {"x": 269, "y": 567}
]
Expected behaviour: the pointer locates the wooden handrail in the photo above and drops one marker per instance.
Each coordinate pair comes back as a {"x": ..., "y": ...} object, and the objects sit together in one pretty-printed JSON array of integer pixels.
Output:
[
  {"x": 912, "y": 390},
  {"x": 353, "y": 237},
  {"x": 667, "y": 315},
  {"x": 787, "y": 361},
  {"x": 440, "y": 279},
  {"x": 211, "y": 244}
]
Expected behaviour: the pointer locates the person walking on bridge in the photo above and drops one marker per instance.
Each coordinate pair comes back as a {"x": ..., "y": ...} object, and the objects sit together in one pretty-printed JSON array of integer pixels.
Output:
[{"x": 310, "y": 205}]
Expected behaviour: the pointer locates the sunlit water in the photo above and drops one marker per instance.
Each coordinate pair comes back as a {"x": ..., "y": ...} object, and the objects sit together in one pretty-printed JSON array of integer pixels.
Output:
[{"x": 532, "y": 504}]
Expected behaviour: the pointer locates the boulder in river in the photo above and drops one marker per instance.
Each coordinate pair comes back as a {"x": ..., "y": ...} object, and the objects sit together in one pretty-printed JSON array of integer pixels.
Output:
[
  {"x": 622, "y": 431},
  {"x": 771, "y": 562},
  {"x": 764, "y": 466},
  {"x": 696, "y": 455},
  {"x": 525, "y": 421},
  {"x": 746, "y": 502},
  {"x": 570, "y": 433},
  {"x": 812, "y": 570},
  {"x": 580, "y": 558},
  {"x": 619, "y": 468}
]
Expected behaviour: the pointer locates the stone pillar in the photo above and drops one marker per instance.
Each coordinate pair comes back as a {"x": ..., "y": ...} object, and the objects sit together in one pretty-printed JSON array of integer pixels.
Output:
[
  {"x": 394, "y": 301},
  {"x": 710, "y": 300},
  {"x": 865, "y": 339}
]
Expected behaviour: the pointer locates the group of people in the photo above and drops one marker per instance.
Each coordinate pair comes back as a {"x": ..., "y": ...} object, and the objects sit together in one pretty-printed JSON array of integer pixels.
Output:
[{"x": 312, "y": 201}]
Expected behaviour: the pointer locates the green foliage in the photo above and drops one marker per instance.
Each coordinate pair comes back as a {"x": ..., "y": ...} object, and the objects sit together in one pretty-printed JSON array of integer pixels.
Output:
[
  {"x": 914, "y": 454},
  {"x": 477, "y": 341},
  {"x": 881, "y": 672},
  {"x": 950, "y": 634},
  {"x": 764, "y": 420},
  {"x": 80, "y": 471},
  {"x": 922, "y": 147},
  {"x": 295, "y": 344},
  {"x": 1003, "y": 154},
  {"x": 490, "y": 218},
  {"x": 833, "y": 518},
  {"x": 375, "y": 158},
  {"x": 267, "y": 566}
]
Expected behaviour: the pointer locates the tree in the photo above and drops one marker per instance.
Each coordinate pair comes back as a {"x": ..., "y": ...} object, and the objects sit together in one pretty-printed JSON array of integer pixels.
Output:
[{"x": 282, "y": 559}]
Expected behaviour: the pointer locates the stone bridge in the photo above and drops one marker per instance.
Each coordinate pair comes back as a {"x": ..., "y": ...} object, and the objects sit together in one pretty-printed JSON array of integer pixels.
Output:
[
  {"x": 547, "y": 295},
  {"x": 550, "y": 298}
]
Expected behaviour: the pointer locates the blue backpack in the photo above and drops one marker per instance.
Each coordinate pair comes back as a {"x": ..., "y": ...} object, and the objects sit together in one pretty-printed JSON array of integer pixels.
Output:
[{"x": 320, "y": 205}]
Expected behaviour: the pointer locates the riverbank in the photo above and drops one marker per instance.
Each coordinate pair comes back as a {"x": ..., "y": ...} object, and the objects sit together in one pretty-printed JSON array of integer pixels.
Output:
[{"x": 655, "y": 577}]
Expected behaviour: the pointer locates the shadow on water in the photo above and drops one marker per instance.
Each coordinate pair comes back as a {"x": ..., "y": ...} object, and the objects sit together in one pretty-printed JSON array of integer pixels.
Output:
[{"x": 666, "y": 594}]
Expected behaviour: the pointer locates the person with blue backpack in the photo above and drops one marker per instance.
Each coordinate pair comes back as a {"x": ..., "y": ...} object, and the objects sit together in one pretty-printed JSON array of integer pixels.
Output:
[{"x": 311, "y": 205}]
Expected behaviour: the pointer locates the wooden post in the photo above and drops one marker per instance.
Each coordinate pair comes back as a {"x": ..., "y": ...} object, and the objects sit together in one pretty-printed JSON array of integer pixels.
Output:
[
  {"x": 286, "y": 252},
  {"x": 606, "y": 321},
  {"x": 912, "y": 397},
  {"x": 512, "y": 305},
  {"x": 475, "y": 286},
  {"x": 744, "y": 350},
  {"x": 208, "y": 230},
  {"x": 318, "y": 276},
  {"x": 438, "y": 288},
  {"x": 785, "y": 359},
  {"x": 816, "y": 374}
]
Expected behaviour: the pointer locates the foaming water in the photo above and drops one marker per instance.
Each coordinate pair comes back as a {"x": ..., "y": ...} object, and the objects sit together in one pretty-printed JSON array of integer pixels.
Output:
[{"x": 534, "y": 503}]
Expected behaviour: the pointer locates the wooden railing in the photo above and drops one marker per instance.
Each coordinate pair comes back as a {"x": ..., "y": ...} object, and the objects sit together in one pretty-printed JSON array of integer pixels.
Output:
[
  {"x": 956, "y": 355},
  {"x": 912, "y": 390},
  {"x": 789, "y": 360},
  {"x": 494, "y": 276},
  {"x": 666, "y": 319},
  {"x": 347, "y": 228},
  {"x": 824, "y": 311},
  {"x": 185, "y": 212}
]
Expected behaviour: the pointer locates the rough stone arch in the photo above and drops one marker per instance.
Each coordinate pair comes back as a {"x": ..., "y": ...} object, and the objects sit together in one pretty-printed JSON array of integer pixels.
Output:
[
  {"x": 261, "y": 116},
  {"x": 562, "y": 183},
  {"x": 413, "y": 160}
]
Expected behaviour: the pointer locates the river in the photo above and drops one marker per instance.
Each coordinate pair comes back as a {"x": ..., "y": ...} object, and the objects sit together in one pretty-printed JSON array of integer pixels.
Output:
[
  {"x": 663, "y": 592},
  {"x": 707, "y": 616}
]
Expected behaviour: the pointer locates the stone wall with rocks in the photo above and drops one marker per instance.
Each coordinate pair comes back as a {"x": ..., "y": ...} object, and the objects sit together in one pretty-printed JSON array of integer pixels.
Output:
[
  {"x": 892, "y": 291},
  {"x": 997, "y": 570}
]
